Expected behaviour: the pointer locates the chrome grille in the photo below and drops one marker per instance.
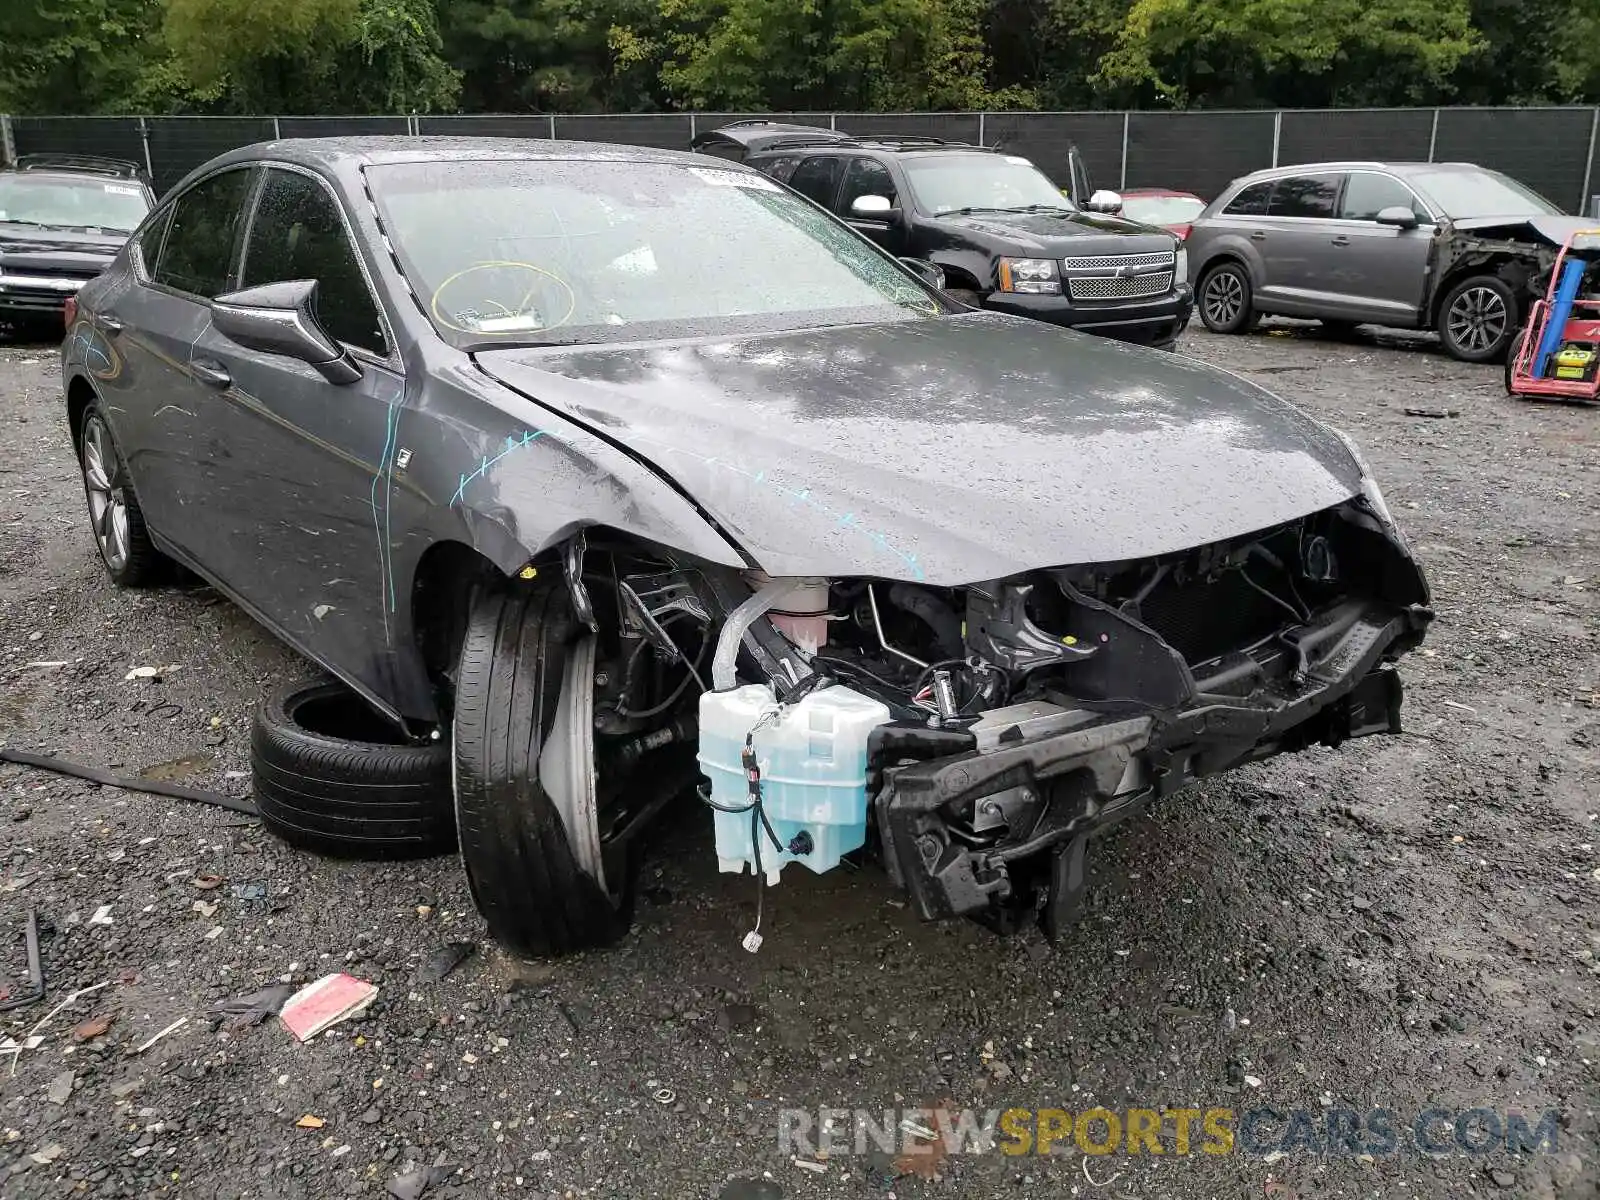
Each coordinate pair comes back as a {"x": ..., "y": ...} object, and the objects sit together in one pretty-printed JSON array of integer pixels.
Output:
[
  {"x": 1103, "y": 262},
  {"x": 1109, "y": 287}
]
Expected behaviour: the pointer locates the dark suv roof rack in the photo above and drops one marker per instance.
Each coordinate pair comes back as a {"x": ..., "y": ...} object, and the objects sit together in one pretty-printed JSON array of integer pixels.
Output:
[{"x": 118, "y": 168}]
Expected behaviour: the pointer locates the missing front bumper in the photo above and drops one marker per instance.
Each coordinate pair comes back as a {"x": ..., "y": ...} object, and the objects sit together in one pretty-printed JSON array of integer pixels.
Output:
[{"x": 1326, "y": 683}]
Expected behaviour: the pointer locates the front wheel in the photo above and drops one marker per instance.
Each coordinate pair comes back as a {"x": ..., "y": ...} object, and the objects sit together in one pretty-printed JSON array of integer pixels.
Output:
[
  {"x": 1227, "y": 300},
  {"x": 525, "y": 778},
  {"x": 1478, "y": 319}
]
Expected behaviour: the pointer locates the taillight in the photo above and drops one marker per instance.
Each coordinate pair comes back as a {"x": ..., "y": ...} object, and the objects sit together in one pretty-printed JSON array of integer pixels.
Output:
[
  {"x": 71, "y": 312},
  {"x": 1181, "y": 232}
]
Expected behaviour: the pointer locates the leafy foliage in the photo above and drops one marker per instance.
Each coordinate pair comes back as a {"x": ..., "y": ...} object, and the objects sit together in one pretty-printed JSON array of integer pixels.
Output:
[{"x": 324, "y": 56}]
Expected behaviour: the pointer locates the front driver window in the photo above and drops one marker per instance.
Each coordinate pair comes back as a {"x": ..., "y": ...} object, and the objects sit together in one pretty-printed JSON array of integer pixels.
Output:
[
  {"x": 297, "y": 234},
  {"x": 198, "y": 254},
  {"x": 866, "y": 177}
]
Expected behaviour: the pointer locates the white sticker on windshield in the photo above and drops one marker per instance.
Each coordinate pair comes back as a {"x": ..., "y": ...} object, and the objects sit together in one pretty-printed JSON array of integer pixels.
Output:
[
  {"x": 1018, "y": 159},
  {"x": 739, "y": 179},
  {"x": 121, "y": 189}
]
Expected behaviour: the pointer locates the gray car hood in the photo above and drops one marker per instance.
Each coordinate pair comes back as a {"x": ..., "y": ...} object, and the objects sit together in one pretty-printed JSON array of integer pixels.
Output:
[
  {"x": 1554, "y": 230},
  {"x": 949, "y": 450}
]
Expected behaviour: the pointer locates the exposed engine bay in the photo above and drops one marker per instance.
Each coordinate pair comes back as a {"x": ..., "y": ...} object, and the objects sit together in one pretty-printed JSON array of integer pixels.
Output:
[{"x": 973, "y": 738}]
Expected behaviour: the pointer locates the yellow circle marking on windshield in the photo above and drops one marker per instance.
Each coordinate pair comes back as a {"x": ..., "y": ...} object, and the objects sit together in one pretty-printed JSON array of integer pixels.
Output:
[{"x": 494, "y": 264}]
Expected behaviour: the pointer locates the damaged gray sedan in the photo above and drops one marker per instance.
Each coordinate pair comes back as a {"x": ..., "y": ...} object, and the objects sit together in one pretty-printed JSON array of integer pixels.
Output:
[{"x": 604, "y": 474}]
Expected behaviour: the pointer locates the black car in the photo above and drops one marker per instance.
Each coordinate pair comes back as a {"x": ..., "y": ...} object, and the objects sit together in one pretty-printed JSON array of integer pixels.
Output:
[
  {"x": 1005, "y": 236},
  {"x": 62, "y": 219},
  {"x": 654, "y": 467}
]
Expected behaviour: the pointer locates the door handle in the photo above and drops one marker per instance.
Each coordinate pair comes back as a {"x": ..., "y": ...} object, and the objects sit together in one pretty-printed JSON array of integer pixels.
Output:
[
  {"x": 1341, "y": 240},
  {"x": 110, "y": 324},
  {"x": 1259, "y": 235},
  {"x": 210, "y": 371}
]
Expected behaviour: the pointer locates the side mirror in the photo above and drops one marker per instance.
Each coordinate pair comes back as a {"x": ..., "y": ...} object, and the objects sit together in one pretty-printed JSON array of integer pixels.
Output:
[
  {"x": 930, "y": 273},
  {"x": 1104, "y": 201},
  {"x": 1397, "y": 215},
  {"x": 280, "y": 318},
  {"x": 871, "y": 207}
]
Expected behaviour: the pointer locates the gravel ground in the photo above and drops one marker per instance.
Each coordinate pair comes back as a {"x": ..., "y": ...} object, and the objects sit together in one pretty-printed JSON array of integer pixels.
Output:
[{"x": 1409, "y": 922}]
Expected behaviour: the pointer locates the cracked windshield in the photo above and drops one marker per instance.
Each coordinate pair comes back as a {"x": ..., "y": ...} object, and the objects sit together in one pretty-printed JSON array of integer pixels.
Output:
[{"x": 564, "y": 253}]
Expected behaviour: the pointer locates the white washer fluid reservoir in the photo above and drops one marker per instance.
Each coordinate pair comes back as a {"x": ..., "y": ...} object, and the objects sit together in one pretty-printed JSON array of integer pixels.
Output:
[{"x": 813, "y": 761}]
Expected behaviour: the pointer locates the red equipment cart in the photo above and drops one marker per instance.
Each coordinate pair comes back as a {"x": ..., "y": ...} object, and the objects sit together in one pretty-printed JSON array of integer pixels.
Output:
[{"x": 1557, "y": 354}]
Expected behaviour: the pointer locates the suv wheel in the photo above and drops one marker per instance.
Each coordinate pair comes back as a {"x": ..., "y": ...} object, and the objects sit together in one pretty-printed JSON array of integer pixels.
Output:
[
  {"x": 1478, "y": 319},
  {"x": 1226, "y": 299},
  {"x": 526, "y": 780},
  {"x": 115, "y": 519}
]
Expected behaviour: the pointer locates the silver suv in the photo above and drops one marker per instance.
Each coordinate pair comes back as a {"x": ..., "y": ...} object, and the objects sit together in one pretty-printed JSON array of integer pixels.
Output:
[{"x": 1446, "y": 246}]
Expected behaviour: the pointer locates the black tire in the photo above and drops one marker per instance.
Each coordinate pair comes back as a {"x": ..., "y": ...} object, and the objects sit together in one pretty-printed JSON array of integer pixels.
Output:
[
  {"x": 1478, "y": 318},
  {"x": 1511, "y": 357},
  {"x": 130, "y": 557},
  {"x": 1226, "y": 300},
  {"x": 334, "y": 776},
  {"x": 525, "y": 878}
]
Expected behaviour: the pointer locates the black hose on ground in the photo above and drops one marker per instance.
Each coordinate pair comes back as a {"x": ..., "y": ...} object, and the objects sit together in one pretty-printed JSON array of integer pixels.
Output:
[{"x": 153, "y": 786}]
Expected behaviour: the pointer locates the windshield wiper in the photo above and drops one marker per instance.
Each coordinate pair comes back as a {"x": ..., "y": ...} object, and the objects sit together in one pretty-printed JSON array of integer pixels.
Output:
[
  {"x": 1023, "y": 208},
  {"x": 34, "y": 224}
]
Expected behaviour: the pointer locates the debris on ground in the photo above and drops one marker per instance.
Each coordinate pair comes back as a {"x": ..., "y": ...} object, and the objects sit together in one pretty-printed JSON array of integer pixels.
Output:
[
  {"x": 408, "y": 1185},
  {"x": 206, "y": 882},
  {"x": 310, "y": 1122},
  {"x": 92, "y": 1027},
  {"x": 176, "y": 1025},
  {"x": 1436, "y": 413},
  {"x": 327, "y": 1001},
  {"x": 444, "y": 960},
  {"x": 245, "y": 1012},
  {"x": 60, "y": 1089},
  {"x": 250, "y": 891},
  {"x": 102, "y": 915}
]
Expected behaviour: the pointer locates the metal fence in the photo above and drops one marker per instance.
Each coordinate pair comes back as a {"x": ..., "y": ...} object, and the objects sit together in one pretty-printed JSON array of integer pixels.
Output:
[{"x": 1551, "y": 149}]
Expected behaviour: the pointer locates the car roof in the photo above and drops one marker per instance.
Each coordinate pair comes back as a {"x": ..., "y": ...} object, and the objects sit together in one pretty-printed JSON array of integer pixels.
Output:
[
  {"x": 329, "y": 152},
  {"x": 1401, "y": 168},
  {"x": 887, "y": 143},
  {"x": 1158, "y": 192},
  {"x": 756, "y": 134}
]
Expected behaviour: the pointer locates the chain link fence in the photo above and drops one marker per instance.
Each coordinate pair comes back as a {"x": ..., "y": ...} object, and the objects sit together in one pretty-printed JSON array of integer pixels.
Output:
[{"x": 1550, "y": 149}]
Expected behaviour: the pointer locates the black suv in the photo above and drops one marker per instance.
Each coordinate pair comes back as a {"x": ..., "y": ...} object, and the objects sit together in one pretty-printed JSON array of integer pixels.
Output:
[
  {"x": 63, "y": 217},
  {"x": 1006, "y": 237}
]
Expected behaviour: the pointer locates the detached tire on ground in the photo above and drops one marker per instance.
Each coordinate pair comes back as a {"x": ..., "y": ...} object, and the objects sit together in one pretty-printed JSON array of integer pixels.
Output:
[
  {"x": 519, "y": 758},
  {"x": 334, "y": 776}
]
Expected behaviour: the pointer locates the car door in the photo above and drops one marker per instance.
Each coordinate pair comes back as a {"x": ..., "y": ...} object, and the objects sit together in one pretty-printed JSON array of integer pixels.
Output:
[
  {"x": 296, "y": 464},
  {"x": 1379, "y": 270},
  {"x": 1295, "y": 237},
  {"x": 157, "y": 400},
  {"x": 867, "y": 176}
]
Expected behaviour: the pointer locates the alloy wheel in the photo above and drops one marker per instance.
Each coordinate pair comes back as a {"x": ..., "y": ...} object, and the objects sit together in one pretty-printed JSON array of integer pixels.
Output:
[
  {"x": 1224, "y": 297},
  {"x": 1478, "y": 320},
  {"x": 107, "y": 492}
]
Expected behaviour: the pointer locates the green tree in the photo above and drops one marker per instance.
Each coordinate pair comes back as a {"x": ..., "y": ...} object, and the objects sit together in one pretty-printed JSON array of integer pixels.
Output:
[
  {"x": 553, "y": 55},
  {"x": 311, "y": 56},
  {"x": 1182, "y": 52},
  {"x": 75, "y": 56}
]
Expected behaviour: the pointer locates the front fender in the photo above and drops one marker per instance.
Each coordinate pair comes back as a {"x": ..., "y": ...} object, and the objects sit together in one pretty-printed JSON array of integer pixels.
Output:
[{"x": 513, "y": 479}]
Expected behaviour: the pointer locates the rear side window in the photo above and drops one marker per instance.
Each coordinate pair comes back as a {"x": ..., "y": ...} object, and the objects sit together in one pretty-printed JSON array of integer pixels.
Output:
[
  {"x": 298, "y": 234},
  {"x": 198, "y": 254},
  {"x": 779, "y": 168},
  {"x": 818, "y": 179},
  {"x": 866, "y": 177},
  {"x": 1305, "y": 196},
  {"x": 1367, "y": 194},
  {"x": 149, "y": 242},
  {"x": 1252, "y": 201}
]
